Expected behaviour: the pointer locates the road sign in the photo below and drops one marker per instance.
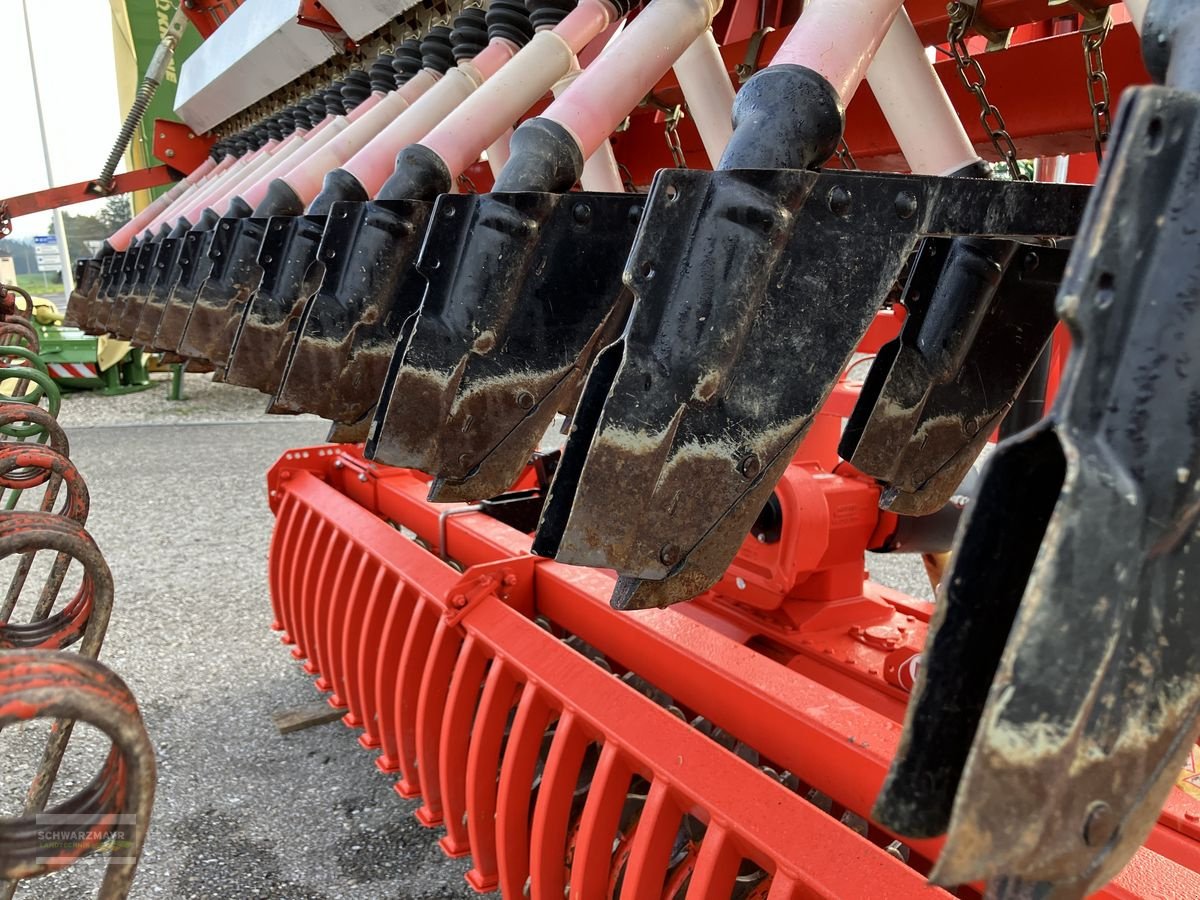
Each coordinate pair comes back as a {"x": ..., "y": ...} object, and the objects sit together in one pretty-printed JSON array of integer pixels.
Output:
[{"x": 45, "y": 246}]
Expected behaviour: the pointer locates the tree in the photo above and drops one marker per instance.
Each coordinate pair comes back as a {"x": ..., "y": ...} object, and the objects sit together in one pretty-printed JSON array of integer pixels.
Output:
[
  {"x": 80, "y": 230},
  {"x": 21, "y": 251},
  {"x": 116, "y": 213}
]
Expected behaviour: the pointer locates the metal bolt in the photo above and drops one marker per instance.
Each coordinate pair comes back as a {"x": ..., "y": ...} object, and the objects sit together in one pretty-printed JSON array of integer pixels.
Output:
[
  {"x": 338, "y": 464},
  {"x": 459, "y": 601},
  {"x": 1031, "y": 261},
  {"x": 839, "y": 200},
  {"x": 525, "y": 400},
  {"x": 170, "y": 154},
  {"x": 906, "y": 204},
  {"x": 750, "y": 465},
  {"x": 1099, "y": 825},
  {"x": 635, "y": 213},
  {"x": 582, "y": 213},
  {"x": 362, "y": 476},
  {"x": 509, "y": 580},
  {"x": 668, "y": 555}
]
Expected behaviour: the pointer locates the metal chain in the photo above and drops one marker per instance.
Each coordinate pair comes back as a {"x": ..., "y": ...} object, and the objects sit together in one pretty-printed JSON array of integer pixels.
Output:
[
  {"x": 1095, "y": 28},
  {"x": 970, "y": 73},
  {"x": 844, "y": 156},
  {"x": 670, "y": 124}
]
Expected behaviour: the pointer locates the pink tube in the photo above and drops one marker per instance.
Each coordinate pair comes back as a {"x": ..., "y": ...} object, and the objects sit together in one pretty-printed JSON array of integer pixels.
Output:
[
  {"x": 330, "y": 128},
  {"x": 374, "y": 163},
  {"x": 280, "y": 159},
  {"x": 178, "y": 203},
  {"x": 305, "y": 172},
  {"x": 614, "y": 84},
  {"x": 584, "y": 22},
  {"x": 366, "y": 106},
  {"x": 180, "y": 210},
  {"x": 838, "y": 39},
  {"x": 219, "y": 192},
  {"x": 120, "y": 239}
]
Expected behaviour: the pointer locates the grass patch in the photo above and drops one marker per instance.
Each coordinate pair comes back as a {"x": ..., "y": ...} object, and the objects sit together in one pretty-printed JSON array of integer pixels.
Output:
[{"x": 35, "y": 284}]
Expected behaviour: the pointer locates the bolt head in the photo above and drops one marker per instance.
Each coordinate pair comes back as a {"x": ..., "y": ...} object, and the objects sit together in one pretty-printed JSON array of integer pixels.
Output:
[
  {"x": 1099, "y": 825},
  {"x": 906, "y": 204},
  {"x": 524, "y": 399},
  {"x": 839, "y": 200},
  {"x": 582, "y": 213},
  {"x": 750, "y": 465},
  {"x": 362, "y": 476},
  {"x": 668, "y": 555}
]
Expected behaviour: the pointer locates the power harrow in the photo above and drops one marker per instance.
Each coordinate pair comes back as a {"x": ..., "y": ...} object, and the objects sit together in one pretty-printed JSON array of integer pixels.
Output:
[
  {"x": 43, "y": 542},
  {"x": 585, "y": 288}
]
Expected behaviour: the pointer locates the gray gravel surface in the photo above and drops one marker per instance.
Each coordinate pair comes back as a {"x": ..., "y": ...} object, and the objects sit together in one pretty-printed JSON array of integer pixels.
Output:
[
  {"x": 180, "y": 512},
  {"x": 203, "y": 401}
]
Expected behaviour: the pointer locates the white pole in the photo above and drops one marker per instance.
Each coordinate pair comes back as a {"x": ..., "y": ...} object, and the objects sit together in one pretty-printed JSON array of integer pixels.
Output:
[{"x": 59, "y": 231}]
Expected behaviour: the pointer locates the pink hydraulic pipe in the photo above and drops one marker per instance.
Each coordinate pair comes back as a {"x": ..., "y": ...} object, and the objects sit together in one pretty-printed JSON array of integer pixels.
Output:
[
  {"x": 372, "y": 165},
  {"x": 515, "y": 88},
  {"x": 306, "y": 172},
  {"x": 179, "y": 209},
  {"x": 600, "y": 172},
  {"x": 214, "y": 195},
  {"x": 279, "y": 159},
  {"x": 838, "y": 39},
  {"x": 120, "y": 239},
  {"x": 324, "y": 132},
  {"x": 614, "y": 84},
  {"x": 210, "y": 188},
  {"x": 164, "y": 215},
  {"x": 915, "y": 104}
]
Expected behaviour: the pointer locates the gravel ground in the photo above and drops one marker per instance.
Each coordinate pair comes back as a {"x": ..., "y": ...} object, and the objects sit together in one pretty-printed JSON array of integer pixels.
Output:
[
  {"x": 203, "y": 401},
  {"x": 179, "y": 508},
  {"x": 180, "y": 512}
]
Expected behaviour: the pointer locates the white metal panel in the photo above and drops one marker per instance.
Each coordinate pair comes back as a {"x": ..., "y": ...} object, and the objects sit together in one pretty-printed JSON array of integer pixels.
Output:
[
  {"x": 361, "y": 17},
  {"x": 258, "y": 50}
]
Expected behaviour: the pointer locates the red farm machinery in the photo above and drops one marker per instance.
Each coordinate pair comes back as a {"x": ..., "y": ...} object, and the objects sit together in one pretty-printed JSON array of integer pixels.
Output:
[{"x": 638, "y": 324}]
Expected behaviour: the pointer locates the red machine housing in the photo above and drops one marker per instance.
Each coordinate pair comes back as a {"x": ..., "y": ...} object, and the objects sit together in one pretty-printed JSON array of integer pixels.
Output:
[{"x": 730, "y": 746}]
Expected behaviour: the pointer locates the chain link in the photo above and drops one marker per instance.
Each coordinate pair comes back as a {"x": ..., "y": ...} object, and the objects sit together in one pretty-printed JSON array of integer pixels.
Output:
[
  {"x": 845, "y": 157},
  {"x": 671, "y": 122},
  {"x": 970, "y": 73},
  {"x": 1095, "y": 29}
]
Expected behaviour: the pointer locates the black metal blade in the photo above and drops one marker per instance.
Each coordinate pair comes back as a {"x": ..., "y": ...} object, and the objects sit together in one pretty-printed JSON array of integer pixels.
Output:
[
  {"x": 167, "y": 265},
  {"x": 524, "y": 290},
  {"x": 235, "y": 274},
  {"x": 351, "y": 326},
  {"x": 291, "y": 274},
  {"x": 89, "y": 276},
  {"x": 1060, "y": 691},
  {"x": 736, "y": 339},
  {"x": 918, "y": 424},
  {"x": 194, "y": 266},
  {"x": 125, "y": 316}
]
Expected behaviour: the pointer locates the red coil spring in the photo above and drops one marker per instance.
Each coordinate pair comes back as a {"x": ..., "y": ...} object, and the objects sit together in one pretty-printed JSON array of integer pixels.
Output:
[{"x": 114, "y": 808}]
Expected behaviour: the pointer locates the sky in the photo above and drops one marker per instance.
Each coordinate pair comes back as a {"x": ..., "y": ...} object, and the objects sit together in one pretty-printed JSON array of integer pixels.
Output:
[{"x": 72, "y": 46}]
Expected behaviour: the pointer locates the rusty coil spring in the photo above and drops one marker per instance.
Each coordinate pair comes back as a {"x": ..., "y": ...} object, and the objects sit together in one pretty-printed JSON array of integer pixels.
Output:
[
  {"x": 113, "y": 810},
  {"x": 14, "y": 330},
  {"x": 24, "y": 466},
  {"x": 24, "y": 421},
  {"x": 37, "y": 681}
]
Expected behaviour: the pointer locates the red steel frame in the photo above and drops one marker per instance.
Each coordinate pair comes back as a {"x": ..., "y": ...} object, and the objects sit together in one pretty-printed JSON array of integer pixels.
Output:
[{"x": 792, "y": 652}]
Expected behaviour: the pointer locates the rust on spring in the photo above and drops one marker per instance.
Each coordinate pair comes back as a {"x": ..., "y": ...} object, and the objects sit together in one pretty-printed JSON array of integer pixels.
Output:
[{"x": 113, "y": 810}]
